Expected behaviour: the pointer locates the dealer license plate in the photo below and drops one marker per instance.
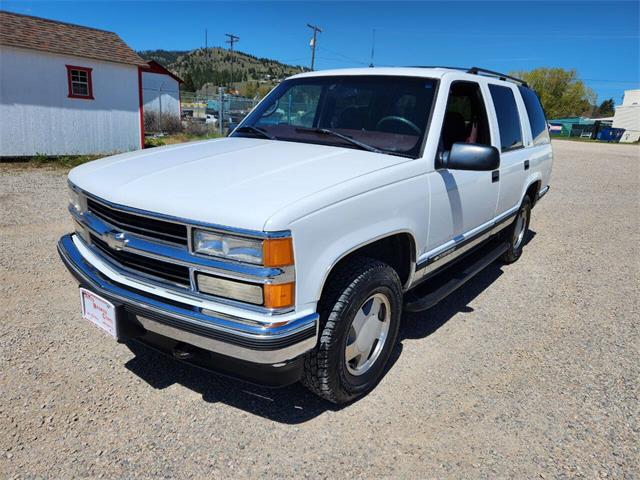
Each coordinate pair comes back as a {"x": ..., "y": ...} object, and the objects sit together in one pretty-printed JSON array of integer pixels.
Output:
[{"x": 98, "y": 311}]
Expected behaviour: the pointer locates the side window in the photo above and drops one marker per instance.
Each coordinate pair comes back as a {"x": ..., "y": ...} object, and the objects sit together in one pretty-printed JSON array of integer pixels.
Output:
[
  {"x": 466, "y": 118},
  {"x": 79, "y": 82},
  {"x": 297, "y": 107},
  {"x": 536, "y": 116},
  {"x": 508, "y": 117}
]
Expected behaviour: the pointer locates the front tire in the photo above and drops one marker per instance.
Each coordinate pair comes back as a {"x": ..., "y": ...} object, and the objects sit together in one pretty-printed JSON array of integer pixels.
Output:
[
  {"x": 516, "y": 234},
  {"x": 360, "y": 317}
]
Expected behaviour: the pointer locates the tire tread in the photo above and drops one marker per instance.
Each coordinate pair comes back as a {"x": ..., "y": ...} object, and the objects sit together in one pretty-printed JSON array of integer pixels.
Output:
[{"x": 334, "y": 302}]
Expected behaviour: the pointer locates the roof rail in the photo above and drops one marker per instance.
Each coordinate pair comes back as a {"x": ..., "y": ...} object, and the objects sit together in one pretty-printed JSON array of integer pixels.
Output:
[
  {"x": 476, "y": 71},
  {"x": 491, "y": 73},
  {"x": 437, "y": 66}
]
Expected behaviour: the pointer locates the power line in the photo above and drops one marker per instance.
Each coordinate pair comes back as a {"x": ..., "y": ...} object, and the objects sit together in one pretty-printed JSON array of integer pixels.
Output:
[
  {"x": 232, "y": 39},
  {"x": 313, "y": 43},
  {"x": 360, "y": 62}
]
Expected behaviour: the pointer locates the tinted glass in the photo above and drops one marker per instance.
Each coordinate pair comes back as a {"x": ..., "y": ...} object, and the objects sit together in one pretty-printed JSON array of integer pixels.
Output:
[
  {"x": 508, "y": 117},
  {"x": 466, "y": 118},
  {"x": 297, "y": 107},
  {"x": 385, "y": 112},
  {"x": 536, "y": 116}
]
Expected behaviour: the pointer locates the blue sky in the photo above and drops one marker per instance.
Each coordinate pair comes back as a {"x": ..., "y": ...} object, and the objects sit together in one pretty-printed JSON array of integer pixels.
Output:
[{"x": 599, "y": 39}]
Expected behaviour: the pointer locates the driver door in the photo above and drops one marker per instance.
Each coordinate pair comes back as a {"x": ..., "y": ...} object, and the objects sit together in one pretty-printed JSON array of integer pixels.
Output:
[{"x": 463, "y": 202}]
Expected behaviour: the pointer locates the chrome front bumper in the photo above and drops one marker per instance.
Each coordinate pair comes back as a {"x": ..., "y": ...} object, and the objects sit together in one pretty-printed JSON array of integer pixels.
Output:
[{"x": 229, "y": 336}]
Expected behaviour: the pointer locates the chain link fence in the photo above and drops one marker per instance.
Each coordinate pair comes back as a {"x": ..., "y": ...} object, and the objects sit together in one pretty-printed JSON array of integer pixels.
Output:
[{"x": 214, "y": 112}]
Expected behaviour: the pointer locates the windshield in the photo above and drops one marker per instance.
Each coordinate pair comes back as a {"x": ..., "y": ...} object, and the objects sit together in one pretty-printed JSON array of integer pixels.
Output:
[{"x": 385, "y": 113}]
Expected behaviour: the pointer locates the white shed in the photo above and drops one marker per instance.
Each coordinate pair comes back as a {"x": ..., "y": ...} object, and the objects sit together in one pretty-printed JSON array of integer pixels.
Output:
[
  {"x": 160, "y": 90},
  {"x": 627, "y": 116},
  {"x": 67, "y": 89}
]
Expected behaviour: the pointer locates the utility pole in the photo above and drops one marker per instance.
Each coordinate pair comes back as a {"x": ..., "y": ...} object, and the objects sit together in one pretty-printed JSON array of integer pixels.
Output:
[
  {"x": 206, "y": 41},
  {"x": 232, "y": 39},
  {"x": 313, "y": 43}
]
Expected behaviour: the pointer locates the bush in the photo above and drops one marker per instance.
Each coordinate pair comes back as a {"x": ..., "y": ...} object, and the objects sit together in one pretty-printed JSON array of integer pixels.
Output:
[
  {"x": 153, "y": 142},
  {"x": 165, "y": 123},
  {"x": 199, "y": 129}
]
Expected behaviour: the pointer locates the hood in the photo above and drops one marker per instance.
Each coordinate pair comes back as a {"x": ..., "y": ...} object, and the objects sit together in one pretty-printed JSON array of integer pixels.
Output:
[{"x": 237, "y": 182}]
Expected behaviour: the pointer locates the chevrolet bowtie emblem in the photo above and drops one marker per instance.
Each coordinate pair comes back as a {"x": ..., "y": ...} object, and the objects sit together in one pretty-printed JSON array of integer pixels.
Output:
[{"x": 115, "y": 240}]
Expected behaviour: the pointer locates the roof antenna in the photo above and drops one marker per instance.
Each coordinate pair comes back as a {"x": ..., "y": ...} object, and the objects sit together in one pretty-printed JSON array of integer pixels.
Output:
[{"x": 373, "y": 46}]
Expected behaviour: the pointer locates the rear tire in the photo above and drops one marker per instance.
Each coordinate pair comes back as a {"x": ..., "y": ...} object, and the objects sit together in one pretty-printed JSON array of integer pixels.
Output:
[
  {"x": 360, "y": 316},
  {"x": 517, "y": 232}
]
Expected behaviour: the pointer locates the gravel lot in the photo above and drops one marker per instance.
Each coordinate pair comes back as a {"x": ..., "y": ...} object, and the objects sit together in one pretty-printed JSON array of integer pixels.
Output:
[{"x": 531, "y": 371}]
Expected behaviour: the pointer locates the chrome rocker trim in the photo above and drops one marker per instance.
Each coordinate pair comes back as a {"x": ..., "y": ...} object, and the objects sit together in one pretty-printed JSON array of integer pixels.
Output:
[
  {"x": 438, "y": 258},
  {"x": 270, "y": 344},
  {"x": 543, "y": 192}
]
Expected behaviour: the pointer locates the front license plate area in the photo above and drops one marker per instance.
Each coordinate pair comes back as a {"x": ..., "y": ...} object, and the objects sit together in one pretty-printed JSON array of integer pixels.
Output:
[{"x": 99, "y": 311}]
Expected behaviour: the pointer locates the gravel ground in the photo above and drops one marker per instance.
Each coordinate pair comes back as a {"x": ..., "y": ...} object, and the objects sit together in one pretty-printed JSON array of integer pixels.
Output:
[{"x": 530, "y": 371}]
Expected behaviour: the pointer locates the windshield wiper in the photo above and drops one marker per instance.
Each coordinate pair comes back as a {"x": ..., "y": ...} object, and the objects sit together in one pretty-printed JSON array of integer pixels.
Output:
[
  {"x": 326, "y": 131},
  {"x": 256, "y": 130}
]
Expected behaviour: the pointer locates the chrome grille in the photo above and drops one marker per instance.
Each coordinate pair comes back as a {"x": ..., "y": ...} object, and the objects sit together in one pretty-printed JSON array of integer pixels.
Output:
[
  {"x": 177, "y": 274},
  {"x": 138, "y": 224}
]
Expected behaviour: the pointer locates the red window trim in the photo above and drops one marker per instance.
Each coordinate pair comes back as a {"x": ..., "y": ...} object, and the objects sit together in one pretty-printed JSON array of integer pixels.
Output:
[{"x": 89, "y": 82}]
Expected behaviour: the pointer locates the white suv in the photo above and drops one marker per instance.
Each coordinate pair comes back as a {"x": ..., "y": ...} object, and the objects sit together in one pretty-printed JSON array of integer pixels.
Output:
[{"x": 289, "y": 250}]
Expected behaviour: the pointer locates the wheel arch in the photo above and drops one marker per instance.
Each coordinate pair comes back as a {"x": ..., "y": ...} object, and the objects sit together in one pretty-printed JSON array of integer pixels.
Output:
[
  {"x": 397, "y": 249},
  {"x": 532, "y": 190}
]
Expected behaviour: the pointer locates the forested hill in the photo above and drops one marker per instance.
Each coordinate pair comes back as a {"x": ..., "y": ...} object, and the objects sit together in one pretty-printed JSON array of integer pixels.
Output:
[{"x": 213, "y": 66}]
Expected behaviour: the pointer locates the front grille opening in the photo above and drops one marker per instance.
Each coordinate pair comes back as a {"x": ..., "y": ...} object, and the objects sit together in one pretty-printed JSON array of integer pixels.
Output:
[
  {"x": 149, "y": 266},
  {"x": 129, "y": 222}
]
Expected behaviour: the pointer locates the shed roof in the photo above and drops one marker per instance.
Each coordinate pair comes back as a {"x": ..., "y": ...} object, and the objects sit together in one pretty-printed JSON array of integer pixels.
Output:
[
  {"x": 51, "y": 36},
  {"x": 155, "y": 67}
]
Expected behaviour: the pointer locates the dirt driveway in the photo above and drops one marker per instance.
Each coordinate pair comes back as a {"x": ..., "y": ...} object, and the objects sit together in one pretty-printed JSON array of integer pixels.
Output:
[{"x": 531, "y": 371}]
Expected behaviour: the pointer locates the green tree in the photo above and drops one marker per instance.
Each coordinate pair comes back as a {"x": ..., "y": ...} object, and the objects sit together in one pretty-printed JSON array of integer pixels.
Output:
[
  {"x": 188, "y": 83},
  {"x": 606, "y": 109},
  {"x": 561, "y": 92}
]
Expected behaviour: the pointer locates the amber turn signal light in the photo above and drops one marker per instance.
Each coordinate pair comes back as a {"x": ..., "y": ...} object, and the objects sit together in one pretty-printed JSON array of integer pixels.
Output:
[
  {"x": 277, "y": 252},
  {"x": 279, "y": 296}
]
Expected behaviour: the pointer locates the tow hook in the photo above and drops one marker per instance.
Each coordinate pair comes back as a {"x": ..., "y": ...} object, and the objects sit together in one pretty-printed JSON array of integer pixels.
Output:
[{"x": 183, "y": 351}]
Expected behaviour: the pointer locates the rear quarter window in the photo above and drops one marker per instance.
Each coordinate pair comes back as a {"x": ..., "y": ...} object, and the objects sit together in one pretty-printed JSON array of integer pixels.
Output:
[
  {"x": 537, "y": 120},
  {"x": 508, "y": 117}
]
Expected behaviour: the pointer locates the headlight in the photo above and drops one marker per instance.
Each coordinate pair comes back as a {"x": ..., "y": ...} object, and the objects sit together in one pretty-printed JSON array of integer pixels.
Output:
[
  {"x": 227, "y": 246},
  {"x": 74, "y": 200},
  {"x": 270, "y": 252}
]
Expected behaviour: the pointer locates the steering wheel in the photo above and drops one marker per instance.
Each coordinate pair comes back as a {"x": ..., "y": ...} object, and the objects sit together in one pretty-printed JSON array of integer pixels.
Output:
[{"x": 394, "y": 118}]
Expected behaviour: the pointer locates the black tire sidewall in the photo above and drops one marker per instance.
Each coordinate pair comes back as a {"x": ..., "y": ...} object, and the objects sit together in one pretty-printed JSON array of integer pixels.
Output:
[
  {"x": 384, "y": 281},
  {"x": 514, "y": 253}
]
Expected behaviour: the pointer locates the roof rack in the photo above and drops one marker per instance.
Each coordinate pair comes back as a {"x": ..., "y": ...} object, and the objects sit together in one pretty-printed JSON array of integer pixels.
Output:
[
  {"x": 438, "y": 66},
  {"x": 491, "y": 73},
  {"x": 476, "y": 71}
]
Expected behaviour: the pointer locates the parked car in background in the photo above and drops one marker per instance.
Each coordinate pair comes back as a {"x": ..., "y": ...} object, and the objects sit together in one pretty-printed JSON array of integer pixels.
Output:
[{"x": 289, "y": 250}]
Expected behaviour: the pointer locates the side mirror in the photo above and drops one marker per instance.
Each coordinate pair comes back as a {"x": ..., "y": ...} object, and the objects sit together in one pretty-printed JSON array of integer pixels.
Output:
[{"x": 471, "y": 156}]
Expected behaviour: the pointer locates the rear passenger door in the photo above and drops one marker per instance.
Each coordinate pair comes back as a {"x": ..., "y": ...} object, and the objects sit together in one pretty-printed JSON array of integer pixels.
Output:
[{"x": 513, "y": 154}]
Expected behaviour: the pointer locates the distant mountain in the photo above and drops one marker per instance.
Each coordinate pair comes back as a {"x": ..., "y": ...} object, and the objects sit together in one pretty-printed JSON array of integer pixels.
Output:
[{"x": 212, "y": 67}]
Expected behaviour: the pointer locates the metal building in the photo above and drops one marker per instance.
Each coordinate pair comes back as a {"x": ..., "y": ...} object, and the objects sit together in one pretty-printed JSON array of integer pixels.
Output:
[
  {"x": 160, "y": 90},
  {"x": 627, "y": 116}
]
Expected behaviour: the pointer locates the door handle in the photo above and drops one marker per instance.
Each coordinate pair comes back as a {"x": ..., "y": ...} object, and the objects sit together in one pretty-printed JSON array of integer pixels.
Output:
[
  {"x": 495, "y": 176},
  {"x": 526, "y": 164}
]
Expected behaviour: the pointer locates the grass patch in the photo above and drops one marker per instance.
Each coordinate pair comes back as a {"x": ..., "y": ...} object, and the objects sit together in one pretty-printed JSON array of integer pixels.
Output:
[
  {"x": 178, "y": 138},
  {"x": 69, "y": 161},
  {"x": 55, "y": 161},
  {"x": 63, "y": 161}
]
